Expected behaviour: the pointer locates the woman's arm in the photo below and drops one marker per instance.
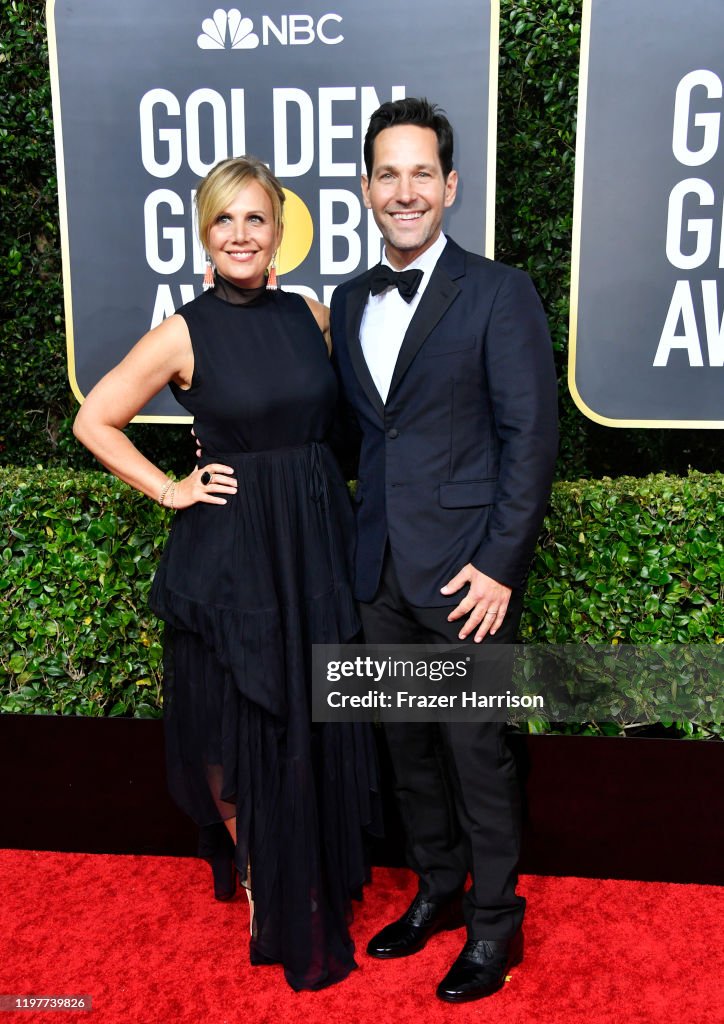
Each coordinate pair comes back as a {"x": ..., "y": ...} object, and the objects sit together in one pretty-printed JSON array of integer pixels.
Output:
[{"x": 162, "y": 355}]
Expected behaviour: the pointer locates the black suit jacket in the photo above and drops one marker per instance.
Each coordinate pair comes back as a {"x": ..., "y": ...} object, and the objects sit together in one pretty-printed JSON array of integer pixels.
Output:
[{"x": 456, "y": 466}]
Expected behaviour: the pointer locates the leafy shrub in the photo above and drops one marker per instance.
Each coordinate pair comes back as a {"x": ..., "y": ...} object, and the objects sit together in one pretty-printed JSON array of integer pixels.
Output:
[
  {"x": 34, "y": 393},
  {"x": 626, "y": 561},
  {"x": 630, "y": 561},
  {"x": 78, "y": 554},
  {"x": 634, "y": 561}
]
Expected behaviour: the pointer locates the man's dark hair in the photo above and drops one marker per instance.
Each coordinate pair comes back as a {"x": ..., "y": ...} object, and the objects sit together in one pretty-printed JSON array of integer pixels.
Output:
[{"x": 419, "y": 112}]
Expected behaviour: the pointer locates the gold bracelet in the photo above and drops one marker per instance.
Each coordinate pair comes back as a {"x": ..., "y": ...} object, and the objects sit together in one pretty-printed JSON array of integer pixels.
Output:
[
  {"x": 172, "y": 499},
  {"x": 164, "y": 491}
]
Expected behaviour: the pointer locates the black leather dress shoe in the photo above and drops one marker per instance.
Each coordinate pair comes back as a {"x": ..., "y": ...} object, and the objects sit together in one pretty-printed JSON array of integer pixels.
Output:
[
  {"x": 480, "y": 969},
  {"x": 421, "y": 920}
]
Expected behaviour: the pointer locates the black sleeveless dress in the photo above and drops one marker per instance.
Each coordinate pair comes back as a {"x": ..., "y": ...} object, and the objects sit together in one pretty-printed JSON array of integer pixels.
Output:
[{"x": 245, "y": 589}]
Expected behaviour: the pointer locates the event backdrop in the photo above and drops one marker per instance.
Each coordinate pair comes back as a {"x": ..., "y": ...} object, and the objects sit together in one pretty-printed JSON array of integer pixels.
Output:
[
  {"x": 147, "y": 97},
  {"x": 647, "y": 335}
]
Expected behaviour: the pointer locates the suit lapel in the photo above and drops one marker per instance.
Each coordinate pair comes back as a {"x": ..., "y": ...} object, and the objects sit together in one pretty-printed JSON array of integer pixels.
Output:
[
  {"x": 356, "y": 302},
  {"x": 436, "y": 300}
]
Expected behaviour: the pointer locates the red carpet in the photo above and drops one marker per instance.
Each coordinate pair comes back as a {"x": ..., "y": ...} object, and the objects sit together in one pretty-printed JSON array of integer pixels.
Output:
[{"x": 145, "y": 938}]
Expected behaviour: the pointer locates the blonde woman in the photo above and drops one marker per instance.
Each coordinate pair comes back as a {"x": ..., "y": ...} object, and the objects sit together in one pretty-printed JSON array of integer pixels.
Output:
[{"x": 256, "y": 570}]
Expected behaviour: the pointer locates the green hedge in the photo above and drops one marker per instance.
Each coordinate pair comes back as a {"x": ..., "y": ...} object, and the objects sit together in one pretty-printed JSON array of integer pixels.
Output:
[
  {"x": 78, "y": 554},
  {"x": 629, "y": 561}
]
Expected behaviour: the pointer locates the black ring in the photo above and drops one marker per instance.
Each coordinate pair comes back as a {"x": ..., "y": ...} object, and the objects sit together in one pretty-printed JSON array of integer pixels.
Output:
[{"x": 206, "y": 477}]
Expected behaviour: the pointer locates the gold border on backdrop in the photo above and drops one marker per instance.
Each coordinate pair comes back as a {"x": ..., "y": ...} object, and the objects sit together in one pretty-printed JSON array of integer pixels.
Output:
[
  {"x": 576, "y": 254},
  {"x": 492, "y": 154},
  {"x": 62, "y": 206},
  {"x": 490, "y": 185}
]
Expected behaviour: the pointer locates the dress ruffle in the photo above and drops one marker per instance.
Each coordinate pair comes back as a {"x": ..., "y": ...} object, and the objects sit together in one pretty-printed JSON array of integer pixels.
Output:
[
  {"x": 245, "y": 590},
  {"x": 256, "y": 647}
]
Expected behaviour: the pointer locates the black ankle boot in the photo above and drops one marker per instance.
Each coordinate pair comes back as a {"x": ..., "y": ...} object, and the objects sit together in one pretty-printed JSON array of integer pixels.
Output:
[{"x": 217, "y": 849}]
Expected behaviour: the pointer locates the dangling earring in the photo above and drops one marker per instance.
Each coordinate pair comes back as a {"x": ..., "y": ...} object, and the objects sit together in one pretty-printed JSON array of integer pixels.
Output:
[
  {"x": 271, "y": 281},
  {"x": 209, "y": 281}
]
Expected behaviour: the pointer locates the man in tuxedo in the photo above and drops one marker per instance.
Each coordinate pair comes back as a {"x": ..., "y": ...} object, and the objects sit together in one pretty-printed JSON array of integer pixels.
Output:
[{"x": 447, "y": 370}]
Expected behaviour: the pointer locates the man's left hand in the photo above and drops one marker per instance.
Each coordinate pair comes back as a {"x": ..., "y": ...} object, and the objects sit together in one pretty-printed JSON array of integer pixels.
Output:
[{"x": 486, "y": 601}]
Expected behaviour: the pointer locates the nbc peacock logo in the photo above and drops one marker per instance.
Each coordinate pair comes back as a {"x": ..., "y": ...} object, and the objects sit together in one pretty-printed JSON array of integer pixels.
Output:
[{"x": 227, "y": 30}]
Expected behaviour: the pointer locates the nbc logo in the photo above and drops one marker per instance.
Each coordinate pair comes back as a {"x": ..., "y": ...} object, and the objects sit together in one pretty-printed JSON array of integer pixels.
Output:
[
  {"x": 227, "y": 30},
  {"x": 241, "y": 34}
]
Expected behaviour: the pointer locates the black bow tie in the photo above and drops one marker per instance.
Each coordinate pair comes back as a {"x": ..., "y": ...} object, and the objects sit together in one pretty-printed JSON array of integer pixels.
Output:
[{"x": 406, "y": 281}]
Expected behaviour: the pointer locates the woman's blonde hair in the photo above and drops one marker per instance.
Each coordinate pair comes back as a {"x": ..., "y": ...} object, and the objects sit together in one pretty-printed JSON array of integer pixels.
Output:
[{"x": 221, "y": 185}]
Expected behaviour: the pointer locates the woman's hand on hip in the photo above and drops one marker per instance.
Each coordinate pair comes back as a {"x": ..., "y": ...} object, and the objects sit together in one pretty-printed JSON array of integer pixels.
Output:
[{"x": 211, "y": 485}]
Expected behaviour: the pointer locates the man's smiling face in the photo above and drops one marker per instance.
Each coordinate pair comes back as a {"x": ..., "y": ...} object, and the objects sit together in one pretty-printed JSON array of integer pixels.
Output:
[{"x": 407, "y": 191}]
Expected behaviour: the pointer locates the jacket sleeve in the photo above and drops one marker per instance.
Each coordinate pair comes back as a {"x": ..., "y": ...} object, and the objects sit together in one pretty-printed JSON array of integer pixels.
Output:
[{"x": 523, "y": 392}]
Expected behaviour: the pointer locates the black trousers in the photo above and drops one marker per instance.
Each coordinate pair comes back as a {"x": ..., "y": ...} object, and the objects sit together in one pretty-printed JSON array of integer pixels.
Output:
[{"x": 455, "y": 782}]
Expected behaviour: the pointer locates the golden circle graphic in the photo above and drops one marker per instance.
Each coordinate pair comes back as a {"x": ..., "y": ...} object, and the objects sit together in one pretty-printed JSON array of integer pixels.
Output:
[{"x": 298, "y": 233}]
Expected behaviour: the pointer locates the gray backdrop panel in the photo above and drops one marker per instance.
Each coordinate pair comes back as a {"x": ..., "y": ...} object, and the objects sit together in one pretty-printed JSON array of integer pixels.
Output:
[
  {"x": 109, "y": 55},
  {"x": 639, "y": 52}
]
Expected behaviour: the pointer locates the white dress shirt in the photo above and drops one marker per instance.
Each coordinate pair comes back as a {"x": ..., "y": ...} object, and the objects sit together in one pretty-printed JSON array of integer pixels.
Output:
[{"x": 387, "y": 317}]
